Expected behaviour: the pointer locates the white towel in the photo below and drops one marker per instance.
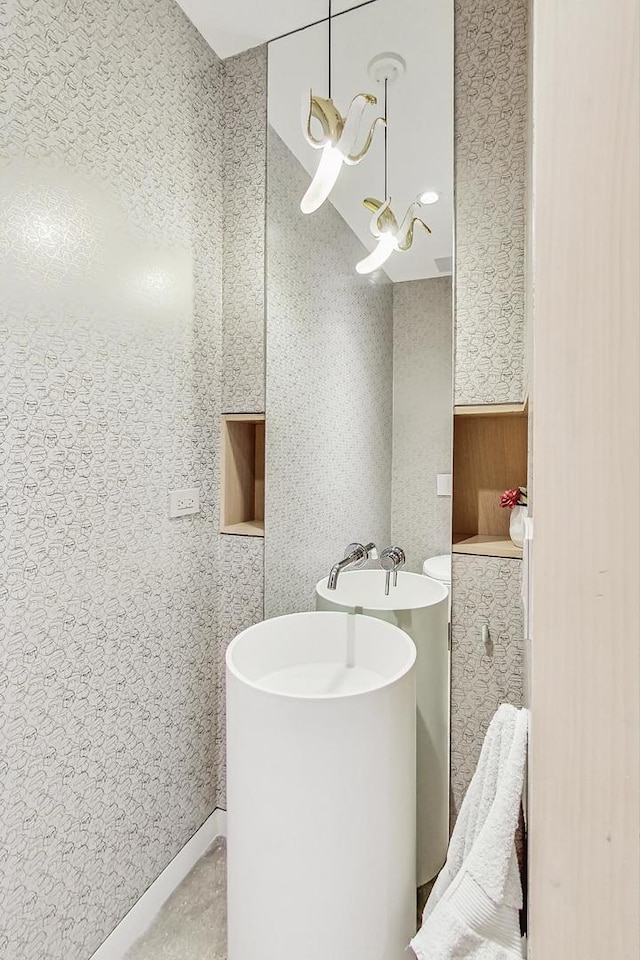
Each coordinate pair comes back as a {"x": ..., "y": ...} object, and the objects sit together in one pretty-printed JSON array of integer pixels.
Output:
[{"x": 473, "y": 910}]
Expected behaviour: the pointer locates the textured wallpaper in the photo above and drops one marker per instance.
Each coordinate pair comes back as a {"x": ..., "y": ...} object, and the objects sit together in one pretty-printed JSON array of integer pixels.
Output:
[
  {"x": 490, "y": 162},
  {"x": 490, "y": 178},
  {"x": 485, "y": 590},
  {"x": 114, "y": 617},
  {"x": 244, "y": 128},
  {"x": 244, "y": 168},
  {"x": 422, "y": 417},
  {"x": 329, "y": 392},
  {"x": 241, "y": 606}
]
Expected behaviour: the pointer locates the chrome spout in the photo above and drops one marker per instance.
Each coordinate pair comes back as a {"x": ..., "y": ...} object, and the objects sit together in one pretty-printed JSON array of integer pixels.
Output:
[
  {"x": 355, "y": 556},
  {"x": 337, "y": 569}
]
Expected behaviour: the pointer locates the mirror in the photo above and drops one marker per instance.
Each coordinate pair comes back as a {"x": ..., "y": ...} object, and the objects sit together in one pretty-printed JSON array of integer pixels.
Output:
[{"x": 359, "y": 367}]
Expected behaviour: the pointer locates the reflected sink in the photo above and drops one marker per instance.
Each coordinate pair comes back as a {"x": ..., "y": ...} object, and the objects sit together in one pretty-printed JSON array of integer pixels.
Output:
[
  {"x": 420, "y": 607},
  {"x": 321, "y": 789},
  {"x": 365, "y": 589}
]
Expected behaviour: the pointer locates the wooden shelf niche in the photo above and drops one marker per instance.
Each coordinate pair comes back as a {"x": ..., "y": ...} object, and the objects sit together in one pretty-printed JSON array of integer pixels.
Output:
[
  {"x": 489, "y": 456},
  {"x": 242, "y": 499}
]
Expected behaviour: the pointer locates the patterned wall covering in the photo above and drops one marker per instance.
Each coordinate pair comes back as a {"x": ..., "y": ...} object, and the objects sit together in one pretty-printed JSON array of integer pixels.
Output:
[
  {"x": 111, "y": 216},
  {"x": 422, "y": 417},
  {"x": 244, "y": 120},
  {"x": 490, "y": 178},
  {"x": 241, "y": 605},
  {"x": 485, "y": 590},
  {"x": 490, "y": 143},
  {"x": 329, "y": 392}
]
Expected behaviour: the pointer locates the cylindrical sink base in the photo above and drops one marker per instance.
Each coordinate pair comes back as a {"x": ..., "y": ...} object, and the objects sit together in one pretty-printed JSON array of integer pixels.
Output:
[
  {"x": 420, "y": 607},
  {"x": 321, "y": 821}
]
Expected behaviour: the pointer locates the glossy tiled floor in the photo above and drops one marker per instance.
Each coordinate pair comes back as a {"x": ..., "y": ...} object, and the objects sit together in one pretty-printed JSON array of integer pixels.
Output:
[{"x": 192, "y": 924}]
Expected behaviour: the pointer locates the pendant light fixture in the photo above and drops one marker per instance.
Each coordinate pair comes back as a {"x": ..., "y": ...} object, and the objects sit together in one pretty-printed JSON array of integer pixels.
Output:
[
  {"x": 341, "y": 140},
  {"x": 391, "y": 235}
]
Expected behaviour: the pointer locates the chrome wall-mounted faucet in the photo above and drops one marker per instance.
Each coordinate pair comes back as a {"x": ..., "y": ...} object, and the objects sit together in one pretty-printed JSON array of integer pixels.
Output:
[
  {"x": 391, "y": 560},
  {"x": 355, "y": 556}
]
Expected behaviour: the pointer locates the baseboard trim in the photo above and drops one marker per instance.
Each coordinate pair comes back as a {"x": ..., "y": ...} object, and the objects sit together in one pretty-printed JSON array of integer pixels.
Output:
[{"x": 138, "y": 920}]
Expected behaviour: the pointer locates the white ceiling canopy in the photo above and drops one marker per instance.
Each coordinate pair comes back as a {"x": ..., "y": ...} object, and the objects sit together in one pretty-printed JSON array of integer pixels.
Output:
[{"x": 420, "y": 129}]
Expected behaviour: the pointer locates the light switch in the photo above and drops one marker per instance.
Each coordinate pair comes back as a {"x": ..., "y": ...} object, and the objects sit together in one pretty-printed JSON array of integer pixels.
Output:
[
  {"x": 444, "y": 486},
  {"x": 184, "y": 503}
]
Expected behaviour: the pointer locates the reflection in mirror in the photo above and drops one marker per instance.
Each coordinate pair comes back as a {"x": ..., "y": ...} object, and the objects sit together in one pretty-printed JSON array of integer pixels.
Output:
[
  {"x": 359, "y": 367},
  {"x": 359, "y": 364}
]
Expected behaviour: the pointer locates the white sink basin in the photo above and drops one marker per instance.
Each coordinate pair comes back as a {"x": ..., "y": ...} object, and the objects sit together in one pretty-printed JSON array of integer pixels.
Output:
[
  {"x": 321, "y": 789},
  {"x": 420, "y": 607},
  {"x": 364, "y": 589},
  {"x": 320, "y": 655}
]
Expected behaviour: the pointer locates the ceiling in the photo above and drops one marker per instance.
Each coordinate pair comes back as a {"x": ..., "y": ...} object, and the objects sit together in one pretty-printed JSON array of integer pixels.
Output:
[
  {"x": 241, "y": 24},
  {"x": 420, "y": 103}
]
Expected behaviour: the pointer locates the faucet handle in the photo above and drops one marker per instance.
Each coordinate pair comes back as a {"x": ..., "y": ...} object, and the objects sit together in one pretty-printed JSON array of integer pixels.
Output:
[
  {"x": 391, "y": 560},
  {"x": 402, "y": 559}
]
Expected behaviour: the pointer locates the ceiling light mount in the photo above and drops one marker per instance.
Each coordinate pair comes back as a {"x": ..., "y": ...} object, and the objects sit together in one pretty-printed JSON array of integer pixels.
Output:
[{"x": 387, "y": 66}]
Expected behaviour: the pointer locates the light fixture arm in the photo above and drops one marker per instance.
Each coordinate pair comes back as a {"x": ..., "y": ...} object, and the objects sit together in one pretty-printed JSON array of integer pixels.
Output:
[
  {"x": 352, "y": 128},
  {"x": 405, "y": 235}
]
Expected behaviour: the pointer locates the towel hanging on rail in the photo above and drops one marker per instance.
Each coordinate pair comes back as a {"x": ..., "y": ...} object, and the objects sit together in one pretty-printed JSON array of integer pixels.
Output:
[{"x": 473, "y": 910}]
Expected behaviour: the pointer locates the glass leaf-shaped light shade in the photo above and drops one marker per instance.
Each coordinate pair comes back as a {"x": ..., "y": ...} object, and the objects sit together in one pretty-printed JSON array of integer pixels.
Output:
[
  {"x": 324, "y": 180},
  {"x": 339, "y": 143},
  {"x": 384, "y": 227},
  {"x": 384, "y": 248}
]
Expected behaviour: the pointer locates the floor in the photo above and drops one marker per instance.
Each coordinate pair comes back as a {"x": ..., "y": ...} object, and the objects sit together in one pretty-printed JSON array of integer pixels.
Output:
[
  {"x": 192, "y": 924},
  {"x": 424, "y": 893}
]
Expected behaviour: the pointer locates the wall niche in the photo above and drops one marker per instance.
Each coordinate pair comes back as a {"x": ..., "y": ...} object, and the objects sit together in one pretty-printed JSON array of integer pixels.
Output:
[
  {"x": 489, "y": 456},
  {"x": 242, "y": 495}
]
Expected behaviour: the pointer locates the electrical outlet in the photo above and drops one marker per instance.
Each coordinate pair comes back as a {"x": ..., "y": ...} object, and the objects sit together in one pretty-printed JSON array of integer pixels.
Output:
[
  {"x": 184, "y": 503},
  {"x": 444, "y": 486}
]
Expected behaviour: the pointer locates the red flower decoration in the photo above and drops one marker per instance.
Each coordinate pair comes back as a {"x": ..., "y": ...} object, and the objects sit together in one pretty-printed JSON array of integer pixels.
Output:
[{"x": 510, "y": 498}]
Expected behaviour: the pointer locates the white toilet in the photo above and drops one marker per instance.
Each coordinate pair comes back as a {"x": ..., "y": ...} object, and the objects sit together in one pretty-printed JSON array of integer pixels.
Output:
[{"x": 439, "y": 569}]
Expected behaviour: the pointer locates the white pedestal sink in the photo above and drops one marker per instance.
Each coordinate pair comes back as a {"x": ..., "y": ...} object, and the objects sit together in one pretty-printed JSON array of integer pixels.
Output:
[
  {"x": 321, "y": 789},
  {"x": 420, "y": 606}
]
